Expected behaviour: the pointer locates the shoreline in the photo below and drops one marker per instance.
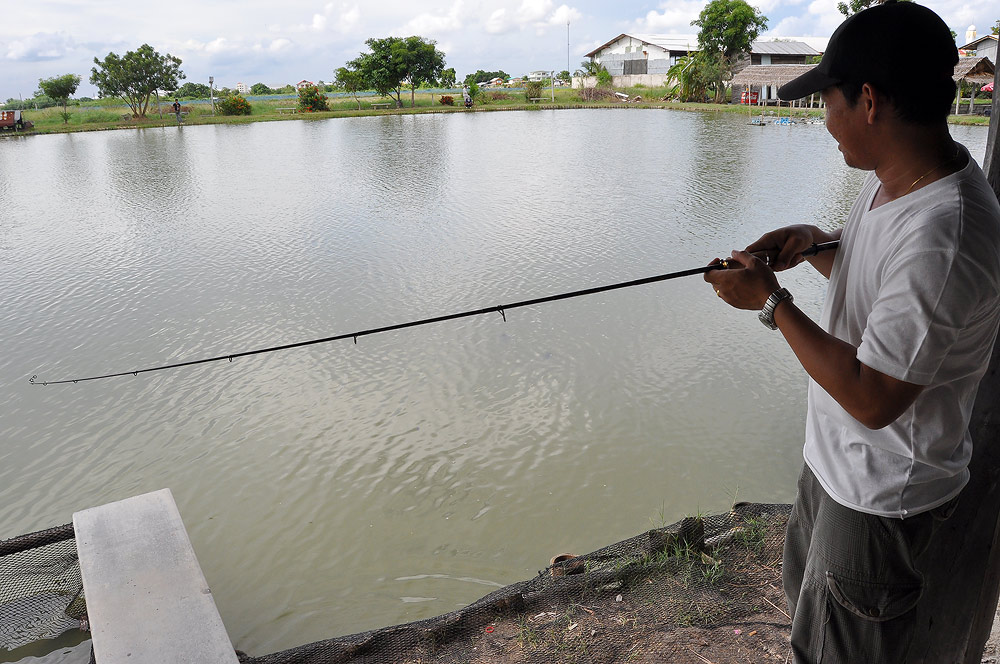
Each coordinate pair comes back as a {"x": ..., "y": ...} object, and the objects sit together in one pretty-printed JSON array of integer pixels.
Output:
[{"x": 565, "y": 104}]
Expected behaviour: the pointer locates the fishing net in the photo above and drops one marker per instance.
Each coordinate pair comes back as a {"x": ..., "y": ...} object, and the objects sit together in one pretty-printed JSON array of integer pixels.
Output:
[
  {"x": 41, "y": 591},
  {"x": 705, "y": 589}
]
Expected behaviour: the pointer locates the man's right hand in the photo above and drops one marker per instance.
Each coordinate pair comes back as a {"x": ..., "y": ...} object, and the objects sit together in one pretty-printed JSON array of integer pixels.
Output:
[{"x": 784, "y": 247}]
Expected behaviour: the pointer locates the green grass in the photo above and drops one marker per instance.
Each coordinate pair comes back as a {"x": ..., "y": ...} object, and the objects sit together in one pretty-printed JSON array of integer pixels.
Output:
[{"x": 87, "y": 117}]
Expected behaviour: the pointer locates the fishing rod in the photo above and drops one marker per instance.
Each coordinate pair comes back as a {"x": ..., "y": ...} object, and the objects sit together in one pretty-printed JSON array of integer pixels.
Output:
[{"x": 500, "y": 309}]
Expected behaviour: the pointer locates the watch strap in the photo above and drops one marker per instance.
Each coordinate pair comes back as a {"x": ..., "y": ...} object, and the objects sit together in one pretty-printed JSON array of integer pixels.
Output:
[{"x": 766, "y": 314}]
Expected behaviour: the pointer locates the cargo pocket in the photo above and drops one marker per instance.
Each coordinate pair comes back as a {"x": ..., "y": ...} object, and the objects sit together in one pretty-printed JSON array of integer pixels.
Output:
[{"x": 876, "y": 602}]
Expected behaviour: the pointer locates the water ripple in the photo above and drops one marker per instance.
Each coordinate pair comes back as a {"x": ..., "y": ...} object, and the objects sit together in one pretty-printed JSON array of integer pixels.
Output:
[{"x": 328, "y": 488}]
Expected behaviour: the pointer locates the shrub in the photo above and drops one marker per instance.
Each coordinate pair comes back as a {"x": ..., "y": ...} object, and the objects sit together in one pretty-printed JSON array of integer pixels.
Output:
[
  {"x": 234, "y": 105},
  {"x": 499, "y": 96},
  {"x": 447, "y": 100},
  {"x": 311, "y": 100},
  {"x": 595, "y": 94},
  {"x": 603, "y": 78},
  {"x": 532, "y": 90}
]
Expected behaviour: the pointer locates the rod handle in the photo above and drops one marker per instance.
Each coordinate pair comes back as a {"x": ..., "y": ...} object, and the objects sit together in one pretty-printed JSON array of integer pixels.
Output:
[{"x": 822, "y": 246}]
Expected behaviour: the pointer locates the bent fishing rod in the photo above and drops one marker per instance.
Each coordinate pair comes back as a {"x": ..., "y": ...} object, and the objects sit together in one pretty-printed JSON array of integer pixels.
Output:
[{"x": 500, "y": 309}]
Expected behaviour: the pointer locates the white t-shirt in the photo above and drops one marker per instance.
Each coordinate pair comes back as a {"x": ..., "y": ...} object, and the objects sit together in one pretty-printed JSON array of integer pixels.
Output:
[{"x": 916, "y": 288}]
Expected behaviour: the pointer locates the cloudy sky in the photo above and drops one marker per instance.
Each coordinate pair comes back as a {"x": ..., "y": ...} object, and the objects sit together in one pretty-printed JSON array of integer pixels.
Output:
[{"x": 283, "y": 42}]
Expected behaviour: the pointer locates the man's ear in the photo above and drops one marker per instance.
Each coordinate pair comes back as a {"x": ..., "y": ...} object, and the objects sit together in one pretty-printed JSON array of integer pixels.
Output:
[{"x": 872, "y": 101}]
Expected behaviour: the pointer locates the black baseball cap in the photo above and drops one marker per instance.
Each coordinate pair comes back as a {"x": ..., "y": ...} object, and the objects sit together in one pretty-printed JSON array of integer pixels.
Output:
[{"x": 895, "y": 41}]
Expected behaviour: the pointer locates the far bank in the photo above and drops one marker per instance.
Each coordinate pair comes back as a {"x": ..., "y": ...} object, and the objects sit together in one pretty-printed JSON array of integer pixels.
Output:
[{"x": 99, "y": 118}]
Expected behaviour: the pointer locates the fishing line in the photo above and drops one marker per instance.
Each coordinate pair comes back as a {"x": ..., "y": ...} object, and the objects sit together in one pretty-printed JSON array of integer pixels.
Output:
[{"x": 499, "y": 309}]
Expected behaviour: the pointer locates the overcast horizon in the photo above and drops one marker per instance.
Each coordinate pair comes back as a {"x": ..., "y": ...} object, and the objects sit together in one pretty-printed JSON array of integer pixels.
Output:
[{"x": 309, "y": 39}]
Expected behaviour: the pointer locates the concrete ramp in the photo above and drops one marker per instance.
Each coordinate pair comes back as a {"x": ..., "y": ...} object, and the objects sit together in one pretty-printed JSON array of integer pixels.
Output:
[{"x": 147, "y": 599}]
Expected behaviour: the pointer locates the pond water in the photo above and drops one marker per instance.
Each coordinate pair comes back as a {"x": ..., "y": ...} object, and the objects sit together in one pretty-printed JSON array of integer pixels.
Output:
[{"x": 342, "y": 487}]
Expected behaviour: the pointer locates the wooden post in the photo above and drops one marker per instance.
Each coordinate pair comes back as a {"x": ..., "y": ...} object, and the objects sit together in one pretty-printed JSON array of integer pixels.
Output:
[{"x": 954, "y": 626}]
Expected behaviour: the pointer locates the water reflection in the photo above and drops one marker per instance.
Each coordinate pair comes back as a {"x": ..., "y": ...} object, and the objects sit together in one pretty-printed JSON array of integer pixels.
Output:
[{"x": 327, "y": 488}]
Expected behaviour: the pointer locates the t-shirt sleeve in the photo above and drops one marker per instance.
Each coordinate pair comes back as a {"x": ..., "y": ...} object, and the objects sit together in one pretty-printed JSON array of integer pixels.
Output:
[{"x": 925, "y": 300}]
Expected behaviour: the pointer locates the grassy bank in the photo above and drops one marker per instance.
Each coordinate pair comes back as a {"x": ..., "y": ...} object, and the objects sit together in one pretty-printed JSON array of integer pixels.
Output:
[{"x": 90, "y": 117}]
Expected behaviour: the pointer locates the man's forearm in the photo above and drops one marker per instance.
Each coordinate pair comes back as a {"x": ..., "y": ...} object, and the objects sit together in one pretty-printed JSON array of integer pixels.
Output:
[{"x": 869, "y": 396}]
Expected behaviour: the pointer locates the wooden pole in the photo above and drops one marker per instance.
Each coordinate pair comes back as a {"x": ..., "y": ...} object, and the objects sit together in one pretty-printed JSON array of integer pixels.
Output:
[{"x": 954, "y": 624}]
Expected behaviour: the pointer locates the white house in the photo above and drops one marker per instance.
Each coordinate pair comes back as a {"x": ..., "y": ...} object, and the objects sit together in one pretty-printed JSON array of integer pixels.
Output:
[
  {"x": 539, "y": 75},
  {"x": 984, "y": 47},
  {"x": 649, "y": 56},
  {"x": 242, "y": 88}
]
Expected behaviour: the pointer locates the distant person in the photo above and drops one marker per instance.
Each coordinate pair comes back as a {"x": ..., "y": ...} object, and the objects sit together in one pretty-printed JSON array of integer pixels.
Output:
[
  {"x": 907, "y": 329},
  {"x": 177, "y": 110},
  {"x": 467, "y": 96}
]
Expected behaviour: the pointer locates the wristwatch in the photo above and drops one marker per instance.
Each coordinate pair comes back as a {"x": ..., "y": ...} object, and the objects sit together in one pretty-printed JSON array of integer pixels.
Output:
[{"x": 766, "y": 314}]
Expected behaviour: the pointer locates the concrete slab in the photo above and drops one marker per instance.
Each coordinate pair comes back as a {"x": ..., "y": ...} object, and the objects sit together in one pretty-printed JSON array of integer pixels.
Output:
[{"x": 147, "y": 598}]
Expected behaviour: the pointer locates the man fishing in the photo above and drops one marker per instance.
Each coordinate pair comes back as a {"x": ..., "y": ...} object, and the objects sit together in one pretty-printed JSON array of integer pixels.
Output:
[{"x": 908, "y": 325}]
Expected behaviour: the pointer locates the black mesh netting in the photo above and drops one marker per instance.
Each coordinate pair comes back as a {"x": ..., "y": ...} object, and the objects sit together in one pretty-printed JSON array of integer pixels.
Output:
[
  {"x": 705, "y": 589},
  {"x": 41, "y": 592}
]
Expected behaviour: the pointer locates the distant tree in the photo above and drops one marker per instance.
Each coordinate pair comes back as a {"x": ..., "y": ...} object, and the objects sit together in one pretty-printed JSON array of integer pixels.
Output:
[
  {"x": 60, "y": 88},
  {"x": 393, "y": 61},
  {"x": 424, "y": 63},
  {"x": 484, "y": 76},
  {"x": 855, "y": 6},
  {"x": 564, "y": 75},
  {"x": 591, "y": 67},
  {"x": 194, "y": 91},
  {"x": 695, "y": 75},
  {"x": 728, "y": 28},
  {"x": 532, "y": 90},
  {"x": 311, "y": 100},
  {"x": 996, "y": 28},
  {"x": 260, "y": 89},
  {"x": 381, "y": 68},
  {"x": 136, "y": 76},
  {"x": 39, "y": 100},
  {"x": 351, "y": 81},
  {"x": 448, "y": 77}
]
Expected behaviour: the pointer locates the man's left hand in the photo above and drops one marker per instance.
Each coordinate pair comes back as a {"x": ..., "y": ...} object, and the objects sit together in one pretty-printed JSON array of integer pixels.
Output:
[{"x": 746, "y": 284}]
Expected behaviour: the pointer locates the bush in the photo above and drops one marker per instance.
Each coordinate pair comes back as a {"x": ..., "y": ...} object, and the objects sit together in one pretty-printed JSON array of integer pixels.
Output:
[
  {"x": 234, "y": 105},
  {"x": 603, "y": 78},
  {"x": 447, "y": 100},
  {"x": 499, "y": 96},
  {"x": 310, "y": 100},
  {"x": 532, "y": 90},
  {"x": 595, "y": 94}
]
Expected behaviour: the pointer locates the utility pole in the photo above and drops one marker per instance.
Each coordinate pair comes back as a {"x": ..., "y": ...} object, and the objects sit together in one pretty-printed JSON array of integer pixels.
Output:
[
  {"x": 567, "y": 49},
  {"x": 211, "y": 91}
]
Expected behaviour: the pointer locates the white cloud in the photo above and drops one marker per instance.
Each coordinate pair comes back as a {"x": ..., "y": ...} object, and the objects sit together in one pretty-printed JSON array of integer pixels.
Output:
[
  {"x": 675, "y": 17},
  {"x": 429, "y": 24},
  {"x": 498, "y": 23},
  {"x": 821, "y": 19},
  {"x": 564, "y": 14},
  {"x": 533, "y": 11},
  {"x": 319, "y": 22},
  {"x": 219, "y": 45},
  {"x": 40, "y": 46},
  {"x": 278, "y": 45}
]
